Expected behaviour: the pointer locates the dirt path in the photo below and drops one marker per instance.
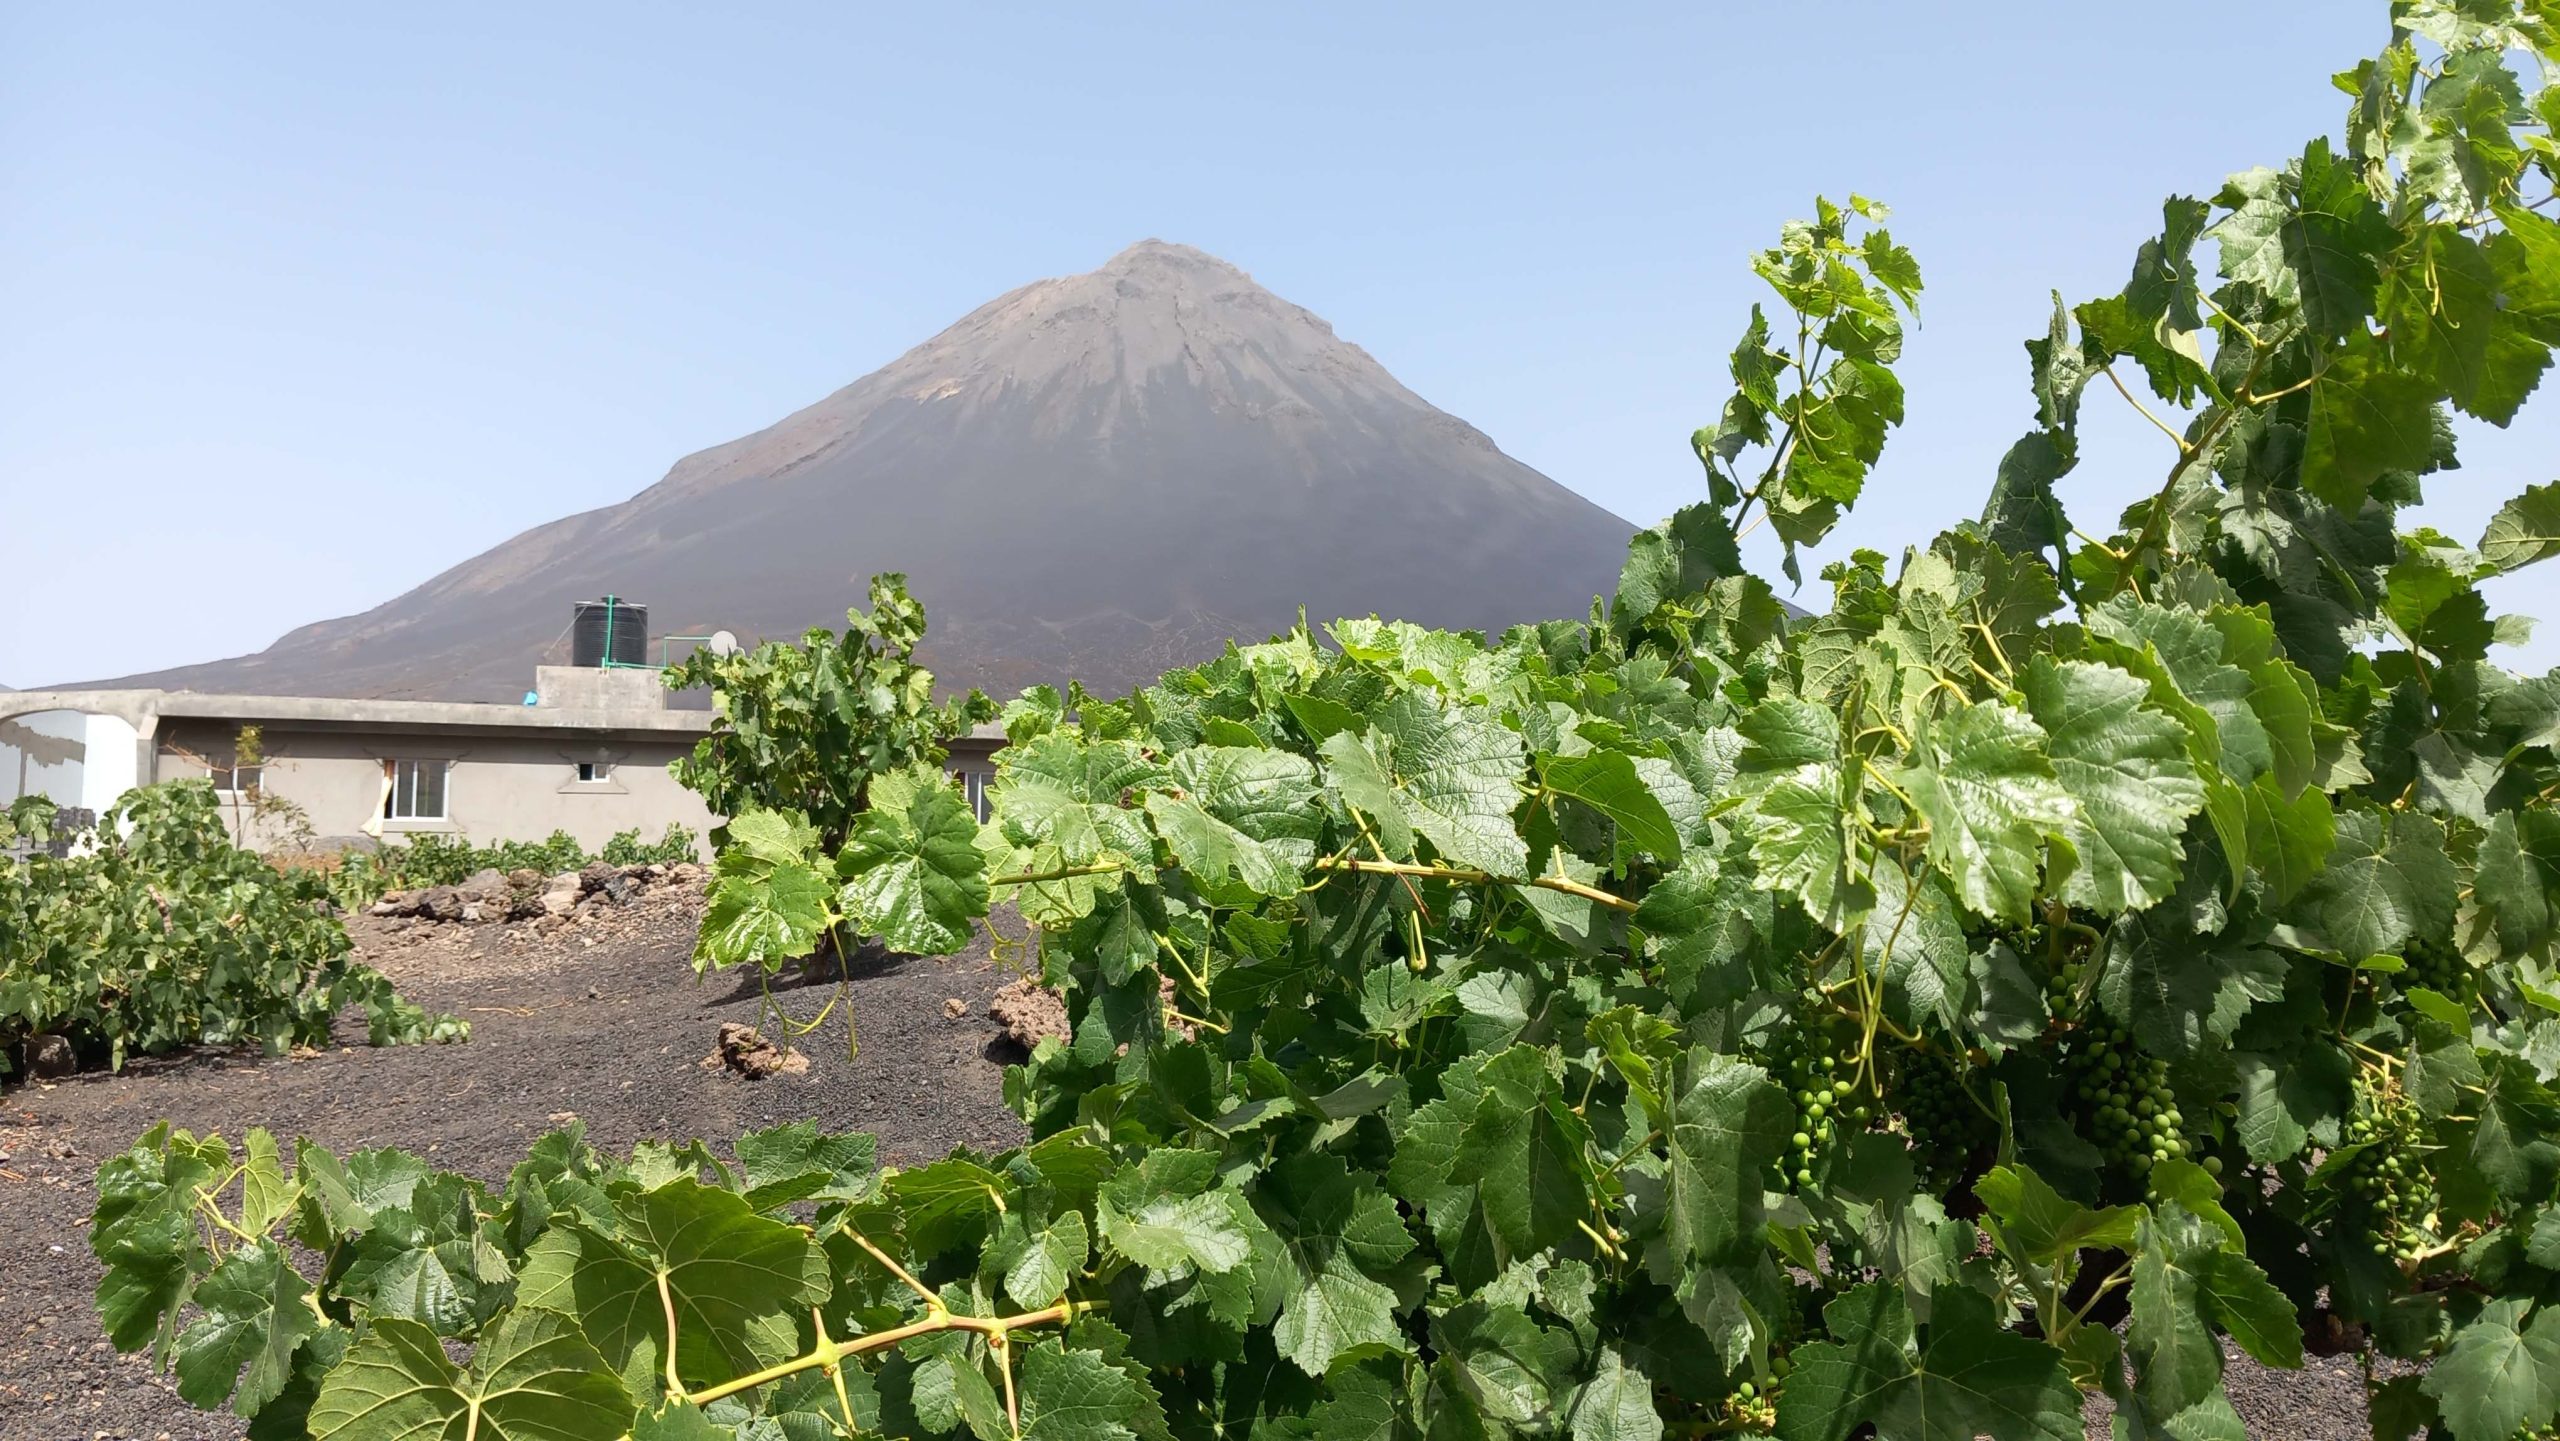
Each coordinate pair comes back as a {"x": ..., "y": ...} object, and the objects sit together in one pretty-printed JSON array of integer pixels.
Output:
[{"x": 612, "y": 1034}]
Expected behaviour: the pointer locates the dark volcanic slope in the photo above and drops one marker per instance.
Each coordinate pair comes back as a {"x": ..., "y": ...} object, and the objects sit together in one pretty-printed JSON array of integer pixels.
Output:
[{"x": 1091, "y": 477}]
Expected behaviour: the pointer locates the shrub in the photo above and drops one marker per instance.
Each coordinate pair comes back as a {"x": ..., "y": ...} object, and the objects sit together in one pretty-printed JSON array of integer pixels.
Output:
[{"x": 157, "y": 932}]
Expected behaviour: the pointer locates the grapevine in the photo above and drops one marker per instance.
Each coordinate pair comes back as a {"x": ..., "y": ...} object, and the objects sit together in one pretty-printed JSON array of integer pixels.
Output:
[
  {"x": 1504, "y": 971},
  {"x": 156, "y": 932}
]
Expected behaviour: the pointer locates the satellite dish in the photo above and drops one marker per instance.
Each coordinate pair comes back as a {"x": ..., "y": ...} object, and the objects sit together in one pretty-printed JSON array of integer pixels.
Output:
[{"x": 723, "y": 643}]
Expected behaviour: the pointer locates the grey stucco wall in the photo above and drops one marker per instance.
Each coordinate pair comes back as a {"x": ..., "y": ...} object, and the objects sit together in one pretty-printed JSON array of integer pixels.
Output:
[{"x": 497, "y": 788}]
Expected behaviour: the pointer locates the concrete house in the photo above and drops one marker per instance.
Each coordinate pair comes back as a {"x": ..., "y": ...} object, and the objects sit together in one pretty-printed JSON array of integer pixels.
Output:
[{"x": 587, "y": 754}]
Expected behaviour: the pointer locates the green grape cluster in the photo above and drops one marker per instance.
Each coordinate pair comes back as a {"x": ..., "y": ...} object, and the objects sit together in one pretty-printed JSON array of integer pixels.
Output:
[
  {"x": 2387, "y": 1190},
  {"x": 1949, "y": 1129},
  {"x": 1820, "y": 1097},
  {"x": 2437, "y": 968},
  {"x": 1751, "y": 1407},
  {"x": 2126, "y": 1105},
  {"x": 2062, "y": 989}
]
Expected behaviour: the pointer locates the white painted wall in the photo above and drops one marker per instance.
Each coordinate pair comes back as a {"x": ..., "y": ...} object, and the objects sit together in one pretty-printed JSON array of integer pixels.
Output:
[
  {"x": 497, "y": 787},
  {"x": 72, "y": 758}
]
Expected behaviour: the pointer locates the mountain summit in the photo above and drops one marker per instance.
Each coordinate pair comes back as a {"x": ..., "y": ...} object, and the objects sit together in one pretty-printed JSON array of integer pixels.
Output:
[{"x": 1093, "y": 477}]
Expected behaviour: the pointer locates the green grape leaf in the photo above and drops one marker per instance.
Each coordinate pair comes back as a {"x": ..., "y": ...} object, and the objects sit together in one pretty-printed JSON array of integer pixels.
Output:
[
  {"x": 1458, "y": 773},
  {"x": 1785, "y": 734},
  {"x": 1211, "y": 850},
  {"x": 1265, "y": 797},
  {"x": 1986, "y": 786},
  {"x": 2365, "y": 902},
  {"x": 1168, "y": 1214},
  {"x": 2525, "y": 530},
  {"x": 1356, "y": 775},
  {"x": 678, "y": 1421},
  {"x": 422, "y": 1261},
  {"x": 1971, "y": 1379},
  {"x": 2181, "y": 655},
  {"x": 2006, "y": 1006},
  {"x": 1055, "y": 1255},
  {"x": 2186, "y": 1284},
  {"x": 2037, "y": 1224},
  {"x": 342, "y": 1197},
  {"x": 1079, "y": 1396},
  {"x": 143, "y": 1232},
  {"x": 257, "y": 1313},
  {"x": 2500, "y": 1377},
  {"x": 1800, "y": 846},
  {"x": 267, "y": 1194},
  {"x": 2183, "y": 994},
  {"x": 1915, "y": 939},
  {"x": 794, "y": 1162},
  {"x": 1499, "y": 1363},
  {"x": 1616, "y": 1404},
  {"x": 287, "y": 1417},
  {"x": 1061, "y": 797},
  {"x": 2400, "y": 1409},
  {"x": 2508, "y": 888},
  {"x": 741, "y": 1283},
  {"x": 2367, "y": 418},
  {"x": 2125, "y": 769},
  {"x": 1727, "y": 1123},
  {"x": 949, "y": 1389},
  {"x": 1607, "y": 782},
  {"x": 1335, "y": 1231},
  {"x": 2289, "y": 841},
  {"x": 2283, "y": 1098},
  {"x": 1527, "y": 1151},
  {"x": 533, "y": 1378},
  {"x": 1672, "y": 561},
  {"x": 949, "y": 1202},
  {"x": 2515, "y": 1140},
  {"x": 913, "y": 874},
  {"x": 769, "y": 901}
]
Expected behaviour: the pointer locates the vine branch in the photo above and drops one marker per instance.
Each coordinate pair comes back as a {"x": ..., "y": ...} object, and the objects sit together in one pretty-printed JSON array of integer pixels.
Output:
[{"x": 830, "y": 1353}]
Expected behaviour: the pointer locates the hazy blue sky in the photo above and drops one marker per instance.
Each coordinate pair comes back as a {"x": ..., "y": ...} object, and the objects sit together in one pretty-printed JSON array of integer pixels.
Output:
[{"x": 298, "y": 308}]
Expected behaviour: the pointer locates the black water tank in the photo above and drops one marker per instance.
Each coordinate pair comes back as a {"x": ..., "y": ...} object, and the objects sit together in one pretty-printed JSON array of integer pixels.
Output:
[{"x": 625, "y": 623}]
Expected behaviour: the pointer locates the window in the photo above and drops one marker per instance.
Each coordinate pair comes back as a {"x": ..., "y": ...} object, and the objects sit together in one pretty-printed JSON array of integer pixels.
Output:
[
  {"x": 593, "y": 771},
  {"x": 973, "y": 787},
  {"x": 239, "y": 779},
  {"x": 417, "y": 791}
]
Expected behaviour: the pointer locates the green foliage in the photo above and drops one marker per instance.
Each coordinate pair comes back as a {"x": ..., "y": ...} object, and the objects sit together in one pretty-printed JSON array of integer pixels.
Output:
[
  {"x": 2176, "y": 906},
  {"x": 803, "y": 728},
  {"x": 427, "y": 859},
  {"x": 331, "y": 1296},
  {"x": 157, "y": 932},
  {"x": 674, "y": 846}
]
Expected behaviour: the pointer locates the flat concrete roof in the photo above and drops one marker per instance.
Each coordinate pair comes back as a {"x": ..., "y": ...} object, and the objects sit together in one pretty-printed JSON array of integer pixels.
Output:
[{"x": 332, "y": 713}]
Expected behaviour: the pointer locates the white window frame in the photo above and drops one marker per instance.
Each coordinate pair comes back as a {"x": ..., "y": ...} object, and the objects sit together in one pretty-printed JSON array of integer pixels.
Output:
[
  {"x": 973, "y": 789},
  {"x": 593, "y": 773},
  {"x": 226, "y": 778},
  {"x": 410, "y": 770}
]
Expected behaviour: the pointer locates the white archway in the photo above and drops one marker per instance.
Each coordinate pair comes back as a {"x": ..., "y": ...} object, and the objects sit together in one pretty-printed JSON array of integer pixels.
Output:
[{"x": 82, "y": 749}]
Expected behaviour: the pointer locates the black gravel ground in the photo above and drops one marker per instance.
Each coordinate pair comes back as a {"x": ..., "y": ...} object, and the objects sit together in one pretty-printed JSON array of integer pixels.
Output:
[{"x": 612, "y": 1034}]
